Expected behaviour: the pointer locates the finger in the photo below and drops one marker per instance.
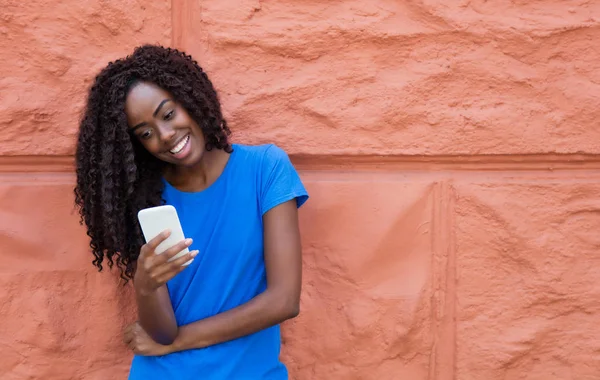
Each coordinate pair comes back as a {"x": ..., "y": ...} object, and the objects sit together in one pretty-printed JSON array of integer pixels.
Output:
[
  {"x": 169, "y": 270},
  {"x": 128, "y": 337},
  {"x": 132, "y": 346},
  {"x": 150, "y": 247},
  {"x": 169, "y": 253},
  {"x": 129, "y": 333},
  {"x": 130, "y": 327},
  {"x": 172, "y": 269},
  {"x": 178, "y": 262}
]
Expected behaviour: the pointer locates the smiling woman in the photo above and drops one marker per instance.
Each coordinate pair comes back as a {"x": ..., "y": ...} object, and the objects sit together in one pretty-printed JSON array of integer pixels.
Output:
[
  {"x": 166, "y": 121},
  {"x": 166, "y": 130},
  {"x": 153, "y": 133}
]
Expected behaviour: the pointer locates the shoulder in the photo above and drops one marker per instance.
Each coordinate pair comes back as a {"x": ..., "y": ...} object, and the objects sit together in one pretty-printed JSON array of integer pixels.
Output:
[
  {"x": 277, "y": 178},
  {"x": 264, "y": 154},
  {"x": 259, "y": 150}
]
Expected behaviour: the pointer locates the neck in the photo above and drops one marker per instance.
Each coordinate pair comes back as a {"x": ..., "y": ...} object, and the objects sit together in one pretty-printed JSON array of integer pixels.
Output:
[{"x": 201, "y": 175}]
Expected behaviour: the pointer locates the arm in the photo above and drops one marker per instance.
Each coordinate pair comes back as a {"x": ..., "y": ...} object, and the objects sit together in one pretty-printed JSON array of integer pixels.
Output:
[
  {"x": 279, "y": 302},
  {"x": 155, "y": 313}
]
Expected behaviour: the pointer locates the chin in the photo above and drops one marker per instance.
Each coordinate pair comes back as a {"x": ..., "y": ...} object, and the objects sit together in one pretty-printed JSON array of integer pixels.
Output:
[{"x": 191, "y": 161}]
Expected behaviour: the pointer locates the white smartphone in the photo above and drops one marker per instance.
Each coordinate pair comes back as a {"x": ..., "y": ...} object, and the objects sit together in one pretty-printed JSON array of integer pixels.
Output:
[{"x": 155, "y": 220}]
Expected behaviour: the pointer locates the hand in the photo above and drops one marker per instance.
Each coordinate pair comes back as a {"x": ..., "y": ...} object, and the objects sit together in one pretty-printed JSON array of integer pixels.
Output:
[
  {"x": 153, "y": 271},
  {"x": 136, "y": 338}
]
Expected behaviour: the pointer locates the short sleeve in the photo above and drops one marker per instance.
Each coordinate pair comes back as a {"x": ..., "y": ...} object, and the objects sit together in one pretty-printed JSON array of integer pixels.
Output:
[{"x": 280, "y": 181}]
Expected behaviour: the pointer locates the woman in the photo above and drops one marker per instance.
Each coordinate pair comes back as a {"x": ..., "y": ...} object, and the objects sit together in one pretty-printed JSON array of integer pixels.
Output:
[{"x": 153, "y": 133}]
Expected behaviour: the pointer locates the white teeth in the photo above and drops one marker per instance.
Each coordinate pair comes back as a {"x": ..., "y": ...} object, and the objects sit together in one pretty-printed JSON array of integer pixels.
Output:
[{"x": 180, "y": 146}]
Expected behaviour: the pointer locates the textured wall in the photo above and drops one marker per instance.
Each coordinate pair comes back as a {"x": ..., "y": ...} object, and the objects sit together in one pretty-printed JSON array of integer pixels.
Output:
[
  {"x": 59, "y": 319},
  {"x": 451, "y": 149}
]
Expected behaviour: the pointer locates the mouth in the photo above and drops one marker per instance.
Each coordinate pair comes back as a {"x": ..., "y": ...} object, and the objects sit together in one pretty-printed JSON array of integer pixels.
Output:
[{"x": 180, "y": 145}]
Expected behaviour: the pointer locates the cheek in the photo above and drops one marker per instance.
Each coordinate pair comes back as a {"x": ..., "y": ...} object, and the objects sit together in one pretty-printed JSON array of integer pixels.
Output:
[
  {"x": 179, "y": 118},
  {"x": 197, "y": 130},
  {"x": 151, "y": 145}
]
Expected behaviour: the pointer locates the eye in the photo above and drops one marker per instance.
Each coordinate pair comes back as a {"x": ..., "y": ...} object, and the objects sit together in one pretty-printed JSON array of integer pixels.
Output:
[
  {"x": 146, "y": 134},
  {"x": 169, "y": 115}
]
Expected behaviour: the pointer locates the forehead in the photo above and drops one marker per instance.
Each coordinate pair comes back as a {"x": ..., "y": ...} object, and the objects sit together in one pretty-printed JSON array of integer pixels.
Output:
[{"x": 142, "y": 100}]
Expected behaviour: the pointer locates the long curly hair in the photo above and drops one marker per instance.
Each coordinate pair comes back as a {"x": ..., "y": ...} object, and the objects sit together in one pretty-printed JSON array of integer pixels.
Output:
[{"x": 116, "y": 175}]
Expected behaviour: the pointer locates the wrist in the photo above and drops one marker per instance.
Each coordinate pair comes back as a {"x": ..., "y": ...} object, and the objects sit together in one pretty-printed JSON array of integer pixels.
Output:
[
  {"x": 142, "y": 291},
  {"x": 141, "y": 288},
  {"x": 168, "y": 349},
  {"x": 192, "y": 338},
  {"x": 175, "y": 346}
]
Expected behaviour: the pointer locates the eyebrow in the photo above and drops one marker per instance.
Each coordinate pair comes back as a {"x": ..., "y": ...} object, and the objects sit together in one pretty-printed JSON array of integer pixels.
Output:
[
  {"x": 156, "y": 111},
  {"x": 159, "y": 107}
]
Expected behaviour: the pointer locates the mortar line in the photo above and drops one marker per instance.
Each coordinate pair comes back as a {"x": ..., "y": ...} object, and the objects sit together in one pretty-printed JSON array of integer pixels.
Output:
[
  {"x": 451, "y": 278},
  {"x": 360, "y": 163},
  {"x": 436, "y": 278},
  {"x": 177, "y": 20},
  {"x": 445, "y": 364}
]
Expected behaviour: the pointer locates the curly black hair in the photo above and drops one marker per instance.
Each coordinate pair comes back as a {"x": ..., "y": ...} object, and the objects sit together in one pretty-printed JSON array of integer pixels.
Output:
[{"x": 116, "y": 175}]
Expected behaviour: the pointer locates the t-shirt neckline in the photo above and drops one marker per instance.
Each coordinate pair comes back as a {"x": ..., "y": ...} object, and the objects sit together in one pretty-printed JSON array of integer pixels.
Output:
[{"x": 219, "y": 179}]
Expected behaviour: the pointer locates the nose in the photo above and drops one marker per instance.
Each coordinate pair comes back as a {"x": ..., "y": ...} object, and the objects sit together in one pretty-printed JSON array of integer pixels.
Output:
[{"x": 166, "y": 133}]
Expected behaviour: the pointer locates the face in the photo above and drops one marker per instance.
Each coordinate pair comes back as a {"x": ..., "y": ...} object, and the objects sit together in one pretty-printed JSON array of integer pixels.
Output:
[{"x": 163, "y": 126}]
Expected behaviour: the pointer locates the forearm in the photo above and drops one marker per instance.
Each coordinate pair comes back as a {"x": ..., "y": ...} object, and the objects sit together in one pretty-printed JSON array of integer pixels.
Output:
[
  {"x": 265, "y": 310},
  {"x": 156, "y": 315}
]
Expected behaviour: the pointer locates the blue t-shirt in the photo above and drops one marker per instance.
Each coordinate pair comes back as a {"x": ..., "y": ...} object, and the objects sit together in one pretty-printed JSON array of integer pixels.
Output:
[{"x": 225, "y": 222}]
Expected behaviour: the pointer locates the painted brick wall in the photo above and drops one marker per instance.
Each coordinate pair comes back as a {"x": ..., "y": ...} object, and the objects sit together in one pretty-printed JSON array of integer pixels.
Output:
[{"x": 451, "y": 149}]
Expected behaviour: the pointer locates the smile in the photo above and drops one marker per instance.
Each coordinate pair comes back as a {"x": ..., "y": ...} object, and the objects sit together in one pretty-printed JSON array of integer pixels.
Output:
[{"x": 180, "y": 145}]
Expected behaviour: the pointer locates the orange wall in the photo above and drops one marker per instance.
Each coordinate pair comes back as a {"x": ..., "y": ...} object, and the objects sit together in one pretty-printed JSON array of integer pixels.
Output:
[{"x": 451, "y": 149}]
